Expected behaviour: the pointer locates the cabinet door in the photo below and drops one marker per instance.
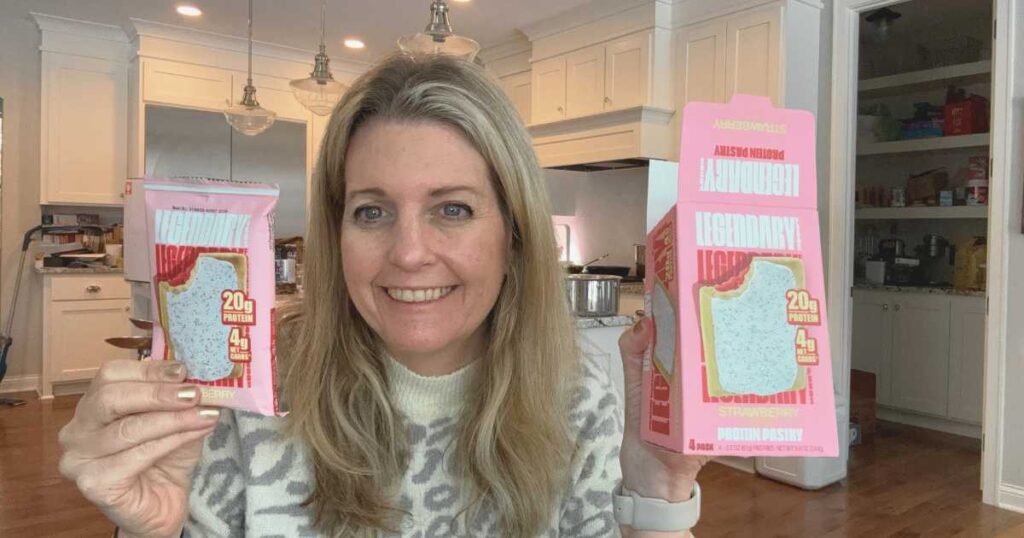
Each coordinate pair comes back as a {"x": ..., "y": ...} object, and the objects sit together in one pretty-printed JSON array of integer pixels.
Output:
[
  {"x": 584, "y": 82},
  {"x": 77, "y": 330},
  {"x": 753, "y": 43},
  {"x": 85, "y": 130},
  {"x": 701, "y": 65},
  {"x": 518, "y": 88},
  {"x": 548, "y": 90},
  {"x": 967, "y": 359},
  {"x": 872, "y": 340},
  {"x": 920, "y": 355},
  {"x": 627, "y": 70},
  {"x": 185, "y": 85}
]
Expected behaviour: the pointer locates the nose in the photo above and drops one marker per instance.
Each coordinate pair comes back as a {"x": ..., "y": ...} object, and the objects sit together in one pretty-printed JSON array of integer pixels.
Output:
[{"x": 411, "y": 247}]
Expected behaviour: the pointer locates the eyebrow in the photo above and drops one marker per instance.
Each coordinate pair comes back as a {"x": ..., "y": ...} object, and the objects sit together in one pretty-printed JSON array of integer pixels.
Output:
[{"x": 434, "y": 193}]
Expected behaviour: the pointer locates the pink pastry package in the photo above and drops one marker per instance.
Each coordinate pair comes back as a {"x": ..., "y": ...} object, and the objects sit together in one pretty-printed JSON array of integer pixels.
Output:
[
  {"x": 740, "y": 363},
  {"x": 212, "y": 268}
]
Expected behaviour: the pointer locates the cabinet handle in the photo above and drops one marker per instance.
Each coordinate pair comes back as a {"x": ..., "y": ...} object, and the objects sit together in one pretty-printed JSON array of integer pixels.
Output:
[
  {"x": 885, "y": 307},
  {"x": 897, "y": 308},
  {"x": 93, "y": 288},
  {"x": 128, "y": 308},
  {"x": 560, "y": 109},
  {"x": 608, "y": 100}
]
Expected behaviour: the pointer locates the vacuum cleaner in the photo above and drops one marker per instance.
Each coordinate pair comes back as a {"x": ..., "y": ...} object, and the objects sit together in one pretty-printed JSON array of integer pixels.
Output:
[{"x": 5, "y": 338}]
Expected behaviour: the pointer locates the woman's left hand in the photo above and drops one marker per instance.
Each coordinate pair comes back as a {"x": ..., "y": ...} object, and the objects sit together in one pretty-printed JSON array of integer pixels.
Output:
[{"x": 648, "y": 470}]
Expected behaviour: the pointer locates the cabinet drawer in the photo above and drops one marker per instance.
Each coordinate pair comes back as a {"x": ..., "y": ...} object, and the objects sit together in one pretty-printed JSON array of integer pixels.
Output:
[{"x": 87, "y": 287}]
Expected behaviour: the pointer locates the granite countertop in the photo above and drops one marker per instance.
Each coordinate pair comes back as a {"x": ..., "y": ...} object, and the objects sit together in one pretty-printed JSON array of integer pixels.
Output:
[
  {"x": 78, "y": 270},
  {"x": 632, "y": 288},
  {"x": 860, "y": 285},
  {"x": 605, "y": 321}
]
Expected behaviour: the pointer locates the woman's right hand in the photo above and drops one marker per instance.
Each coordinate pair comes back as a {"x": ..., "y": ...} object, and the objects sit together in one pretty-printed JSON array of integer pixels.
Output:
[{"x": 133, "y": 443}]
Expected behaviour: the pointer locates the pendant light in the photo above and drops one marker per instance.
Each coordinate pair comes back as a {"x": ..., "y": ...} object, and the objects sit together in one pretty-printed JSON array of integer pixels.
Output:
[
  {"x": 248, "y": 117},
  {"x": 319, "y": 92},
  {"x": 881, "y": 21},
  {"x": 438, "y": 37}
]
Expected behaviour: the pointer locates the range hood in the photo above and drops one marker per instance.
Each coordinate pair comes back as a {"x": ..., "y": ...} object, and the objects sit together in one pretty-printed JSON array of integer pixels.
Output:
[{"x": 616, "y": 139}]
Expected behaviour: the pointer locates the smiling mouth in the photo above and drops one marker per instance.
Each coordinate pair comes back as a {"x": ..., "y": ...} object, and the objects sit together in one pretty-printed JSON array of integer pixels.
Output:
[{"x": 419, "y": 295}]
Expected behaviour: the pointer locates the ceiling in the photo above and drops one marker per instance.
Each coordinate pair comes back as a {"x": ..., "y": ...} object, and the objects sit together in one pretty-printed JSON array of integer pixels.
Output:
[{"x": 296, "y": 23}]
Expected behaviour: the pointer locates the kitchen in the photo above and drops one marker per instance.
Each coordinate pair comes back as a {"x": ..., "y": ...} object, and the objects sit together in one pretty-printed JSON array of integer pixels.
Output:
[{"x": 600, "y": 86}]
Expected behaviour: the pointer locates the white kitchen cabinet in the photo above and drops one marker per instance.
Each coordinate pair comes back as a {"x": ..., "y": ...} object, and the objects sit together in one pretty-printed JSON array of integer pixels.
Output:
[
  {"x": 920, "y": 347},
  {"x": 967, "y": 358},
  {"x": 84, "y": 131},
  {"x": 925, "y": 349},
  {"x": 753, "y": 42},
  {"x": 701, "y": 65},
  {"x": 627, "y": 71},
  {"x": 584, "y": 82},
  {"x": 185, "y": 85},
  {"x": 872, "y": 339},
  {"x": 738, "y": 53},
  {"x": 608, "y": 76},
  {"x": 518, "y": 88},
  {"x": 548, "y": 89},
  {"x": 79, "y": 312}
]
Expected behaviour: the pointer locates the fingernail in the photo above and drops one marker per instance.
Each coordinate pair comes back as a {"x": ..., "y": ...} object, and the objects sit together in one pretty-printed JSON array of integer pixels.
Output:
[
  {"x": 188, "y": 394},
  {"x": 174, "y": 371},
  {"x": 209, "y": 413}
]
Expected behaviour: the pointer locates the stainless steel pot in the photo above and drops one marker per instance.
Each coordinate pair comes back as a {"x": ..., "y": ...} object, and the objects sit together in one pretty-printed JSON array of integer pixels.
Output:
[{"x": 593, "y": 295}]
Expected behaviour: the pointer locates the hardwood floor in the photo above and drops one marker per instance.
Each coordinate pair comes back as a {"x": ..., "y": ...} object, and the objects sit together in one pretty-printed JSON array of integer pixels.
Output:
[{"x": 907, "y": 483}]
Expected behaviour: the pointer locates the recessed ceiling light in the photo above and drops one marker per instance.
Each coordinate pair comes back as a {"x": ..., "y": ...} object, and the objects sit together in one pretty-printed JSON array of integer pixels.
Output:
[
  {"x": 353, "y": 43},
  {"x": 189, "y": 10}
]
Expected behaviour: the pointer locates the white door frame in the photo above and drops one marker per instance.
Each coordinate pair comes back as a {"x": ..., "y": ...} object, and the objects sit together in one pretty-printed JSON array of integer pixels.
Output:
[{"x": 845, "y": 25}]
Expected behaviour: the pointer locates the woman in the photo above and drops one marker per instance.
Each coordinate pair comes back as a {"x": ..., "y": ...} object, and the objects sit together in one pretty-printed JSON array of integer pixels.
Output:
[{"x": 433, "y": 379}]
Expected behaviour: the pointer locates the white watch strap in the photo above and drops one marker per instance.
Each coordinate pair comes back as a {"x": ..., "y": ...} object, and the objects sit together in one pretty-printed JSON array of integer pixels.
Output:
[{"x": 646, "y": 514}]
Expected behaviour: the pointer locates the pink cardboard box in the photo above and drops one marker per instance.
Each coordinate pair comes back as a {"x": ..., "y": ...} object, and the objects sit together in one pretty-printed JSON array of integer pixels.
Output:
[{"x": 740, "y": 364}]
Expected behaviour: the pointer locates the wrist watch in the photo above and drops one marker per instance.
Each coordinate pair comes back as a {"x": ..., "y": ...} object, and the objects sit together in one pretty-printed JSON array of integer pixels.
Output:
[{"x": 647, "y": 514}]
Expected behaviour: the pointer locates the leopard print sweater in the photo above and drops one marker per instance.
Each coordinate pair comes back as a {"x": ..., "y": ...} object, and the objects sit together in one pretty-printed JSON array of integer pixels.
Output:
[{"x": 251, "y": 481}]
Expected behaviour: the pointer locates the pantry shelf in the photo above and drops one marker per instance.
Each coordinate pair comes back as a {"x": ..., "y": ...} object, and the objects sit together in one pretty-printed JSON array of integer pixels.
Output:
[
  {"x": 927, "y": 79},
  {"x": 924, "y": 144},
  {"x": 956, "y": 212}
]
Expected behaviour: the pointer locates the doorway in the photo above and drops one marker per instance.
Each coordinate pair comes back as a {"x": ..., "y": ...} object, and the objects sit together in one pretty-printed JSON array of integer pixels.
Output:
[{"x": 902, "y": 235}]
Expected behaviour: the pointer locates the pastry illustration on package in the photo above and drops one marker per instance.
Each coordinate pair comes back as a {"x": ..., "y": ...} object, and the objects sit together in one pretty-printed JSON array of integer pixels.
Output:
[
  {"x": 213, "y": 286},
  {"x": 740, "y": 363}
]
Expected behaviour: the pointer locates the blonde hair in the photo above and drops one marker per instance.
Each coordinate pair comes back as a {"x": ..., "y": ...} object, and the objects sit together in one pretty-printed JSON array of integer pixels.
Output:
[{"x": 514, "y": 442}]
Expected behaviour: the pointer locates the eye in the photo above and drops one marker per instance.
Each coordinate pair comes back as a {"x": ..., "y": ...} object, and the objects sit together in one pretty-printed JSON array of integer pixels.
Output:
[
  {"x": 456, "y": 211},
  {"x": 368, "y": 214}
]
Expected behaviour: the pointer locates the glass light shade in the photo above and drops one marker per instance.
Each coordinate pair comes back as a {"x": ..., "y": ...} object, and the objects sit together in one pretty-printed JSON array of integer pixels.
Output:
[
  {"x": 319, "y": 95},
  {"x": 249, "y": 120},
  {"x": 453, "y": 45}
]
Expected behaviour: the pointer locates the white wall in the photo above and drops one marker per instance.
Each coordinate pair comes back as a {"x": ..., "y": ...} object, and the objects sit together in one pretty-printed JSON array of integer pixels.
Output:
[
  {"x": 19, "y": 211},
  {"x": 605, "y": 211},
  {"x": 1013, "y": 424}
]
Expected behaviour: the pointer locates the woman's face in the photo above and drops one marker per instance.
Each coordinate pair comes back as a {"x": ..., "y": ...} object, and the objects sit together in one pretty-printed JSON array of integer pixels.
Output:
[{"x": 422, "y": 240}]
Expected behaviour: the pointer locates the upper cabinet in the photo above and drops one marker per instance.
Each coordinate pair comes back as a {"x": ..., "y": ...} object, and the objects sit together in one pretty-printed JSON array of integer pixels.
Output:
[
  {"x": 185, "y": 85},
  {"x": 548, "y": 90},
  {"x": 731, "y": 54},
  {"x": 598, "y": 78},
  {"x": 519, "y": 89},
  {"x": 84, "y": 112},
  {"x": 701, "y": 69}
]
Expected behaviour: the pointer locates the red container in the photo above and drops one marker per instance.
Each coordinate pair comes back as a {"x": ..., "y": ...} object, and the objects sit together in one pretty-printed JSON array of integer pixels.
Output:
[{"x": 966, "y": 117}]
